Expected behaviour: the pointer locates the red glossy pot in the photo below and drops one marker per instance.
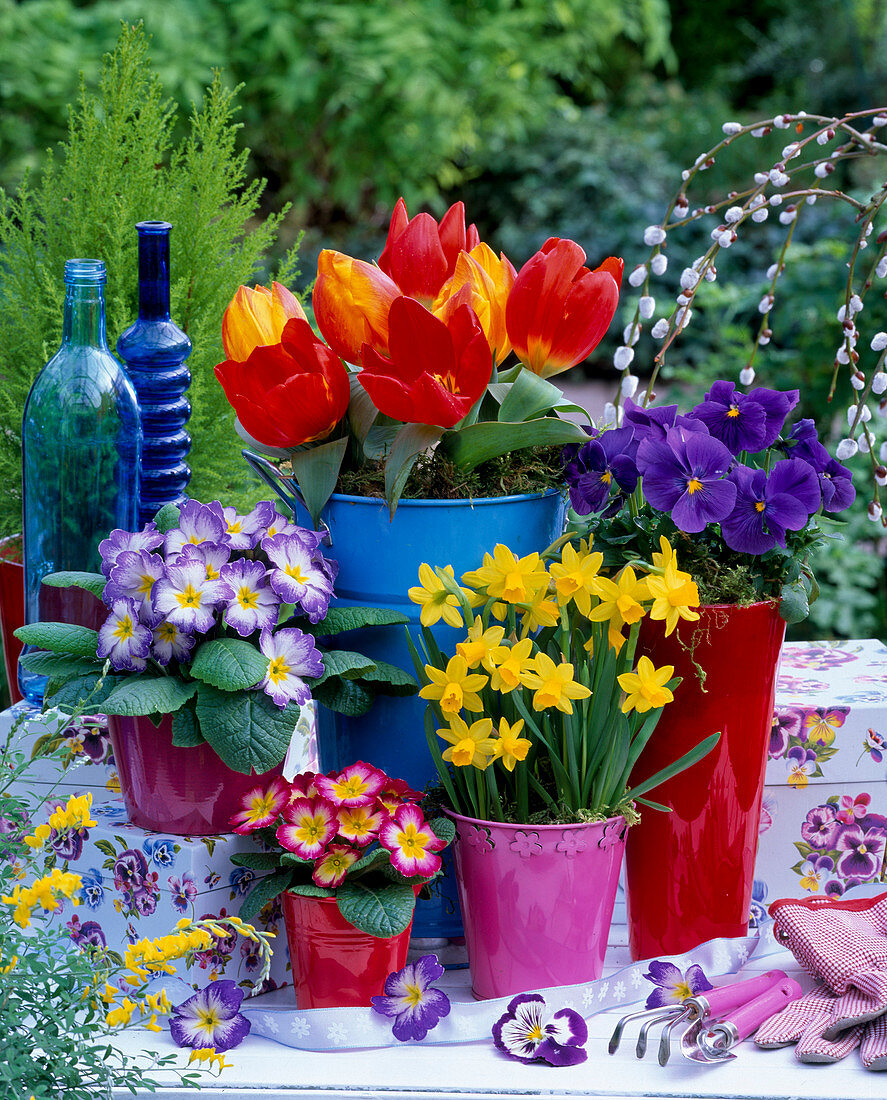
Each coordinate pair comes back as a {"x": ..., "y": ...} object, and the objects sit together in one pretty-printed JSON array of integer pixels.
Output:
[
  {"x": 186, "y": 792},
  {"x": 334, "y": 964},
  {"x": 12, "y": 608},
  {"x": 689, "y": 873}
]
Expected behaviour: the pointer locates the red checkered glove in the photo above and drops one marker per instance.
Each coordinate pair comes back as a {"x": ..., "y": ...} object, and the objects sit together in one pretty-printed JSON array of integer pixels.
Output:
[
  {"x": 803, "y": 1022},
  {"x": 844, "y": 945},
  {"x": 873, "y": 1048}
]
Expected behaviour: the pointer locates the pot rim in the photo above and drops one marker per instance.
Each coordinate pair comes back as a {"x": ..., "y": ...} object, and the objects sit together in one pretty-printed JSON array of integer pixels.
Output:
[
  {"x": 541, "y": 828},
  {"x": 740, "y": 606},
  {"x": 457, "y": 502}
]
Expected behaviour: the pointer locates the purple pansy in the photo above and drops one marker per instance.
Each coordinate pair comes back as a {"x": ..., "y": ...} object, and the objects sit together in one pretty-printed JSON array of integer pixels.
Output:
[
  {"x": 745, "y": 421},
  {"x": 411, "y": 1002},
  {"x": 123, "y": 639},
  {"x": 211, "y": 1018},
  {"x": 835, "y": 481},
  {"x": 769, "y": 505},
  {"x": 684, "y": 474},
  {"x": 170, "y": 643},
  {"x": 527, "y": 1033},
  {"x": 785, "y": 725},
  {"x": 92, "y": 890},
  {"x": 88, "y": 934},
  {"x": 149, "y": 538},
  {"x": 821, "y": 827},
  {"x": 183, "y": 891},
  {"x": 299, "y": 576},
  {"x": 198, "y": 524},
  {"x": 597, "y": 465},
  {"x": 253, "y": 605},
  {"x": 244, "y": 532},
  {"x": 291, "y": 655},
  {"x": 650, "y": 423},
  {"x": 187, "y": 597},
  {"x": 863, "y": 852},
  {"x": 91, "y": 737},
  {"x": 672, "y": 986}
]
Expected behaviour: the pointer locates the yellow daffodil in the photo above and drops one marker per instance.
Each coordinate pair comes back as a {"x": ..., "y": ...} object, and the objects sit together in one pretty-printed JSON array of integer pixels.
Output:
[
  {"x": 645, "y": 687},
  {"x": 434, "y": 599},
  {"x": 509, "y": 746},
  {"x": 469, "y": 744},
  {"x": 621, "y": 603},
  {"x": 574, "y": 576},
  {"x": 455, "y": 687},
  {"x": 506, "y": 577},
  {"x": 478, "y": 645},
  {"x": 674, "y": 594},
  {"x": 667, "y": 556},
  {"x": 510, "y": 662},
  {"x": 553, "y": 685},
  {"x": 541, "y": 612}
]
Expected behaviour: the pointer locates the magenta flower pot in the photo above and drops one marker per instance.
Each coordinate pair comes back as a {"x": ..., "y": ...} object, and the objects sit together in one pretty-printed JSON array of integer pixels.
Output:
[
  {"x": 167, "y": 789},
  {"x": 537, "y": 901}
]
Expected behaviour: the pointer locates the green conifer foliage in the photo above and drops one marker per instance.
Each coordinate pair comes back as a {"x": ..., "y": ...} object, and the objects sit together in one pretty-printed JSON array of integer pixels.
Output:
[{"x": 119, "y": 166}]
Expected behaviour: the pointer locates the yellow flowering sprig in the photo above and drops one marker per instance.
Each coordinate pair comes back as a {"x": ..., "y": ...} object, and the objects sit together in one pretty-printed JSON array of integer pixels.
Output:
[{"x": 548, "y": 711}]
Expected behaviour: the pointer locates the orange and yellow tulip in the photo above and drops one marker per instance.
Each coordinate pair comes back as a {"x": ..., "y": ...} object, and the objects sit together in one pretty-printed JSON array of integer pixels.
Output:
[
  {"x": 351, "y": 303},
  {"x": 421, "y": 254},
  {"x": 288, "y": 393},
  {"x": 558, "y": 310},
  {"x": 256, "y": 318},
  {"x": 483, "y": 282}
]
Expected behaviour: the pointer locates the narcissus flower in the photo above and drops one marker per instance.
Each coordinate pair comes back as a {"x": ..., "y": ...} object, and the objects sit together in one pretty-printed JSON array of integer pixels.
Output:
[
  {"x": 434, "y": 599},
  {"x": 260, "y": 806},
  {"x": 469, "y": 745},
  {"x": 436, "y": 371},
  {"x": 645, "y": 687},
  {"x": 674, "y": 595},
  {"x": 558, "y": 310},
  {"x": 621, "y": 602},
  {"x": 553, "y": 685},
  {"x": 454, "y": 687},
  {"x": 289, "y": 393},
  {"x": 256, "y": 318},
  {"x": 510, "y": 662},
  {"x": 507, "y": 577},
  {"x": 420, "y": 254},
  {"x": 483, "y": 282},
  {"x": 412, "y": 842},
  {"x": 351, "y": 302},
  {"x": 574, "y": 577},
  {"x": 309, "y": 825},
  {"x": 356, "y": 785},
  {"x": 480, "y": 643},
  {"x": 509, "y": 746}
]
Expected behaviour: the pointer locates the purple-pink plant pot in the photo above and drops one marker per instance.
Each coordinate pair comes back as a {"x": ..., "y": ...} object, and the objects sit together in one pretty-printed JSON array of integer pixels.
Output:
[{"x": 537, "y": 901}]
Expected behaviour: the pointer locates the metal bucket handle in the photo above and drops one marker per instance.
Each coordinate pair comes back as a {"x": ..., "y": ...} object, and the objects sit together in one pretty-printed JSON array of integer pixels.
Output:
[{"x": 285, "y": 486}]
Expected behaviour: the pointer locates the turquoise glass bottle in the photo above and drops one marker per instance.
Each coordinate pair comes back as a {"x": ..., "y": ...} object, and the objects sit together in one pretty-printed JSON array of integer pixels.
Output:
[
  {"x": 81, "y": 448},
  {"x": 154, "y": 350}
]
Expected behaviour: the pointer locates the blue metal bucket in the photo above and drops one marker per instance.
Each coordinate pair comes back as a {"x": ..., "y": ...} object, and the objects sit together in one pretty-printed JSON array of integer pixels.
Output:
[{"x": 379, "y": 561}]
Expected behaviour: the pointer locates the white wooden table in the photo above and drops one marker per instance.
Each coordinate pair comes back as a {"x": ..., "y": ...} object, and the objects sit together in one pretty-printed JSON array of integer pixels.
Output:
[{"x": 265, "y": 1070}]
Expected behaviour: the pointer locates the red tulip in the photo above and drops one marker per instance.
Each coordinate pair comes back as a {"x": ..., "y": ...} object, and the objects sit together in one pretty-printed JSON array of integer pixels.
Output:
[
  {"x": 436, "y": 371},
  {"x": 558, "y": 310},
  {"x": 289, "y": 393},
  {"x": 256, "y": 317},
  {"x": 421, "y": 255},
  {"x": 351, "y": 303}
]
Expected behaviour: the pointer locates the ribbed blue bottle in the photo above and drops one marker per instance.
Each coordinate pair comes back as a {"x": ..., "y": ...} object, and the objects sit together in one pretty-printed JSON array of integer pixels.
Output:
[
  {"x": 154, "y": 350},
  {"x": 81, "y": 449}
]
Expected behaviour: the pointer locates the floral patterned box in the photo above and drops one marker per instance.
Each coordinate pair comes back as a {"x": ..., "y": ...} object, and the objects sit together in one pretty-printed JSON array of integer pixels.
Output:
[
  {"x": 138, "y": 884},
  {"x": 824, "y": 820}
]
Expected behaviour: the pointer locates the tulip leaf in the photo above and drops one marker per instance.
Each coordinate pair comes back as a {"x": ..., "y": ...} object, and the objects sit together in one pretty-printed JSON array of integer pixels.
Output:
[
  {"x": 528, "y": 396},
  {"x": 410, "y": 442},
  {"x": 316, "y": 469},
  {"x": 362, "y": 412},
  {"x": 471, "y": 446},
  {"x": 378, "y": 442}
]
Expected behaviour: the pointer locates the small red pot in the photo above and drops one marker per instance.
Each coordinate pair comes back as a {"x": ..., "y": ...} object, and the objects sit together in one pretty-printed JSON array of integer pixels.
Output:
[
  {"x": 334, "y": 964},
  {"x": 186, "y": 792},
  {"x": 12, "y": 608}
]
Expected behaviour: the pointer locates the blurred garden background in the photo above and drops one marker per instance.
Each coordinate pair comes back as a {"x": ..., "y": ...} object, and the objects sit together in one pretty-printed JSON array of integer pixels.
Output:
[{"x": 570, "y": 118}]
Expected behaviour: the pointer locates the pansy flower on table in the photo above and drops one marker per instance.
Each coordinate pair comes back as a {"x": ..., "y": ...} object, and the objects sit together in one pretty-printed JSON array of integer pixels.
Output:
[
  {"x": 410, "y": 1000},
  {"x": 440, "y": 350},
  {"x": 213, "y": 617},
  {"x": 529, "y": 1032},
  {"x": 547, "y": 712},
  {"x": 351, "y": 835},
  {"x": 741, "y": 494}
]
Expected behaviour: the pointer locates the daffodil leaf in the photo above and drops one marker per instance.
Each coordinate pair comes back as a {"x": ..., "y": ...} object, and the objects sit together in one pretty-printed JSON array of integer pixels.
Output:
[
  {"x": 382, "y": 911},
  {"x": 471, "y": 446}
]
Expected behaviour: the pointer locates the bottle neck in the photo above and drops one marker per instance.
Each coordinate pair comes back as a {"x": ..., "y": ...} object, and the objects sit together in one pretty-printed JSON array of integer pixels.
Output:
[
  {"x": 153, "y": 270},
  {"x": 84, "y": 319}
]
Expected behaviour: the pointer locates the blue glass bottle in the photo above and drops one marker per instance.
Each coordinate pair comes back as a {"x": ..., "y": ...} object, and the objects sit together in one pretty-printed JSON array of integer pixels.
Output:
[
  {"x": 81, "y": 448},
  {"x": 154, "y": 350}
]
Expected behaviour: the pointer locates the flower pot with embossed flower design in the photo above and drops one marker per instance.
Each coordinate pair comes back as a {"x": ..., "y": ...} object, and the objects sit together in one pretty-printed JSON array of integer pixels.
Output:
[{"x": 537, "y": 901}]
